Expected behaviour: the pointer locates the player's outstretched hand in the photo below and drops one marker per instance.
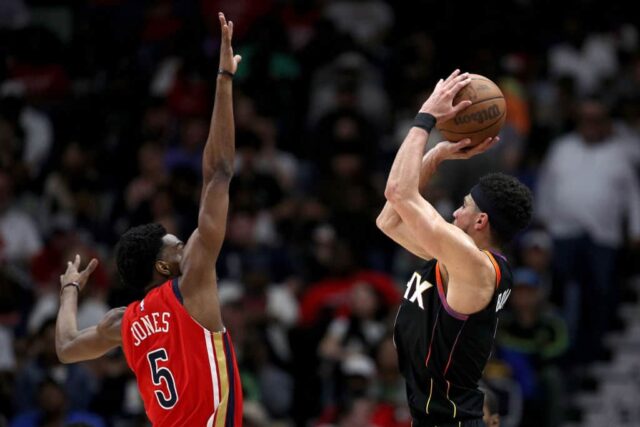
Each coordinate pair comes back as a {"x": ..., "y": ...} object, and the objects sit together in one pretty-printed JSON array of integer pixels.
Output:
[
  {"x": 440, "y": 103},
  {"x": 228, "y": 61},
  {"x": 72, "y": 275},
  {"x": 462, "y": 149}
]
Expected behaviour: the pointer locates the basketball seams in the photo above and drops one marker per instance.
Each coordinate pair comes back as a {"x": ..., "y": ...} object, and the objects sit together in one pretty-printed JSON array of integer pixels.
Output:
[{"x": 486, "y": 99}]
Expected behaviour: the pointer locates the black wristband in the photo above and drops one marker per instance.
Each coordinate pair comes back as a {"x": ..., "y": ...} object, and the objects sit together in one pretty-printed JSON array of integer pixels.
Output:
[
  {"x": 424, "y": 121},
  {"x": 76, "y": 284},
  {"x": 223, "y": 72}
]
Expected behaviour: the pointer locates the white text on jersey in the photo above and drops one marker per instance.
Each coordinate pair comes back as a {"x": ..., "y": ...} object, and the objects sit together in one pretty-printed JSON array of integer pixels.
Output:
[
  {"x": 502, "y": 299},
  {"x": 148, "y": 325},
  {"x": 420, "y": 288}
]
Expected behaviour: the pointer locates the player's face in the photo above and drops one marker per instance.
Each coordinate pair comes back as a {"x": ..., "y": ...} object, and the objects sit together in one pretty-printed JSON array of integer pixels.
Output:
[
  {"x": 172, "y": 251},
  {"x": 464, "y": 217}
]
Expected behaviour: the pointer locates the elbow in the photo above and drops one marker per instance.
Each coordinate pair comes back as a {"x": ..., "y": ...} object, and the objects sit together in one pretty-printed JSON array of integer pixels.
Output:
[
  {"x": 381, "y": 223},
  {"x": 385, "y": 222},
  {"x": 395, "y": 193},
  {"x": 222, "y": 171},
  {"x": 63, "y": 356}
]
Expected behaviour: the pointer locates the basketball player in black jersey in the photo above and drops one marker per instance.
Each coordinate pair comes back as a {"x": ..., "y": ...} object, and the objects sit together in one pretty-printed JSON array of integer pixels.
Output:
[{"x": 446, "y": 323}]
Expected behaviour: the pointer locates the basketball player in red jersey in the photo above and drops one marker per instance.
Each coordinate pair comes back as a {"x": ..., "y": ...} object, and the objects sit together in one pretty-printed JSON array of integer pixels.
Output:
[{"x": 173, "y": 339}]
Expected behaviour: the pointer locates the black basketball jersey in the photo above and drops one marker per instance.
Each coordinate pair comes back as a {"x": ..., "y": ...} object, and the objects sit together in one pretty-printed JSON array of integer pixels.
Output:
[{"x": 442, "y": 353}]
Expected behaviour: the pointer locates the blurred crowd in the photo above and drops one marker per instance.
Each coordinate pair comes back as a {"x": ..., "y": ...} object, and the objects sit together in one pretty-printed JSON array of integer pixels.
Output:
[{"x": 104, "y": 111}]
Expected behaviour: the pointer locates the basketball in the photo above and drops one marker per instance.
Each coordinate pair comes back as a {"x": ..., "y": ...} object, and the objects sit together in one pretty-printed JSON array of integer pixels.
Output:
[{"x": 483, "y": 118}]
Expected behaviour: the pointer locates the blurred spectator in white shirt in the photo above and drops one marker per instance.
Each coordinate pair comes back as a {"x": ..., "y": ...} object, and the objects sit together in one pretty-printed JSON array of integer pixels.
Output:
[
  {"x": 586, "y": 192},
  {"x": 19, "y": 237}
]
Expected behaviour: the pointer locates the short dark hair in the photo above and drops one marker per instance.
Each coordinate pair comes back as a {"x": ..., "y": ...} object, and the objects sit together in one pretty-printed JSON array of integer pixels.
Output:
[
  {"x": 510, "y": 199},
  {"x": 137, "y": 252}
]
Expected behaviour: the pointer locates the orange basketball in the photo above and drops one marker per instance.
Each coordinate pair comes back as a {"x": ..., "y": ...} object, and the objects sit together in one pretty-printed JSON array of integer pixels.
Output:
[{"x": 483, "y": 118}]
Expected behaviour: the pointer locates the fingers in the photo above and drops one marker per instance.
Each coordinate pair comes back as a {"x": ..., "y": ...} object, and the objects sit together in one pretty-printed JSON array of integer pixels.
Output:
[
  {"x": 483, "y": 146},
  {"x": 91, "y": 267},
  {"x": 452, "y": 76},
  {"x": 226, "y": 27},
  {"x": 461, "y": 106},
  {"x": 458, "y": 83},
  {"x": 76, "y": 261},
  {"x": 489, "y": 142},
  {"x": 237, "y": 59}
]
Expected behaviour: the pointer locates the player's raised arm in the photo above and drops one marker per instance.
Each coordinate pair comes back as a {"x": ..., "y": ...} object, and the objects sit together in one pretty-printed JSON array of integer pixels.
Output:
[
  {"x": 73, "y": 345},
  {"x": 198, "y": 281},
  {"x": 464, "y": 262},
  {"x": 391, "y": 224}
]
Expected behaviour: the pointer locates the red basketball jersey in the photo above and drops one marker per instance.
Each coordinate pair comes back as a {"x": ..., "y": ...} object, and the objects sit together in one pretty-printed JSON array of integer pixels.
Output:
[{"x": 187, "y": 375}]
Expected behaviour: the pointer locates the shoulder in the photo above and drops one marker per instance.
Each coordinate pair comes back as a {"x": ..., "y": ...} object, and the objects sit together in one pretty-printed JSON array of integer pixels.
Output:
[{"x": 471, "y": 290}]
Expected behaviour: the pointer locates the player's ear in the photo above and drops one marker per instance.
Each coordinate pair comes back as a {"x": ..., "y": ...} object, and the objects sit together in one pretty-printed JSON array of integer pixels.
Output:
[
  {"x": 162, "y": 267},
  {"x": 482, "y": 220}
]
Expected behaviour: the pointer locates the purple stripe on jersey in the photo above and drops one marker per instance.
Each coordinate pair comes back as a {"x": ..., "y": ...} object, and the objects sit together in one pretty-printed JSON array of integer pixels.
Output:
[
  {"x": 504, "y": 258},
  {"x": 451, "y": 311},
  {"x": 443, "y": 297}
]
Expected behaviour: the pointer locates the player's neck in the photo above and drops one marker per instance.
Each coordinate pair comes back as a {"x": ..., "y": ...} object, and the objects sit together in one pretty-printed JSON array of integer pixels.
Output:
[
  {"x": 485, "y": 243},
  {"x": 157, "y": 281}
]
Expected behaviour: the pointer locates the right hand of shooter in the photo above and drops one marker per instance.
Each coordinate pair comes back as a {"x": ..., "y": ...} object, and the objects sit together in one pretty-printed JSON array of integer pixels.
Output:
[{"x": 440, "y": 103}]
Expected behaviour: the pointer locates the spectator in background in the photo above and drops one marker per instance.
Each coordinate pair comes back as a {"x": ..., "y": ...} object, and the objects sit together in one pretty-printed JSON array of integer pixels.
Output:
[
  {"x": 73, "y": 189},
  {"x": 588, "y": 57},
  {"x": 272, "y": 159},
  {"x": 587, "y": 188},
  {"x": 53, "y": 411},
  {"x": 532, "y": 339},
  {"x": 351, "y": 340},
  {"x": 42, "y": 363},
  {"x": 33, "y": 129},
  {"x": 360, "y": 331},
  {"x": 491, "y": 415},
  {"x": 349, "y": 82},
  {"x": 151, "y": 175},
  {"x": 35, "y": 65},
  {"x": 535, "y": 250},
  {"x": 366, "y": 21},
  {"x": 389, "y": 388},
  {"x": 19, "y": 238},
  {"x": 14, "y": 14},
  {"x": 187, "y": 152},
  {"x": 63, "y": 243},
  {"x": 252, "y": 188}
]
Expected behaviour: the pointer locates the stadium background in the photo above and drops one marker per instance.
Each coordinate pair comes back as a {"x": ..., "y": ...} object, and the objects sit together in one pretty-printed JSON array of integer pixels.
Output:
[{"x": 104, "y": 109}]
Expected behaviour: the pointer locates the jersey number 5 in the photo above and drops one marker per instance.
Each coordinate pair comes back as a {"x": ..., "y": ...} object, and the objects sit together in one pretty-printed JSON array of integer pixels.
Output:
[{"x": 169, "y": 399}]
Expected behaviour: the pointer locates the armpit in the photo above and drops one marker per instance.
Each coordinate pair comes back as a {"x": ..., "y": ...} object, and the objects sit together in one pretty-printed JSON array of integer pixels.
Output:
[{"x": 110, "y": 324}]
